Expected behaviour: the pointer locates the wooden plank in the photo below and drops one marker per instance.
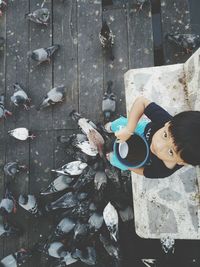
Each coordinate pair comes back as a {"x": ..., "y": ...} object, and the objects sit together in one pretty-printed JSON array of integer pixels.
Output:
[
  {"x": 65, "y": 63},
  {"x": 2, "y": 91},
  {"x": 16, "y": 71},
  {"x": 175, "y": 19},
  {"x": 41, "y": 163},
  {"x": 140, "y": 40},
  {"x": 90, "y": 64},
  {"x": 40, "y": 81},
  {"x": 114, "y": 70}
]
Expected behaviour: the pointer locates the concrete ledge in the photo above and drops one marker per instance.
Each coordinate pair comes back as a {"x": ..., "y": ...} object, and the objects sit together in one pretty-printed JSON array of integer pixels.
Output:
[{"x": 169, "y": 206}]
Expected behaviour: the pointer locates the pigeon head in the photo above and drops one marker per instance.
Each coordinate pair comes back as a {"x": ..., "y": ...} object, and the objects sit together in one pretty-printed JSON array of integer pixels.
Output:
[{"x": 75, "y": 115}]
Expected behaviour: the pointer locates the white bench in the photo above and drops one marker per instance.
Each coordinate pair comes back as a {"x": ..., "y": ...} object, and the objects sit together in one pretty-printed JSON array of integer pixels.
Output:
[{"x": 169, "y": 206}]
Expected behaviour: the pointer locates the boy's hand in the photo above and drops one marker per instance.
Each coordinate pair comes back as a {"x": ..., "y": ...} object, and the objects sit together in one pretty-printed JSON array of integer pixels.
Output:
[{"x": 123, "y": 134}]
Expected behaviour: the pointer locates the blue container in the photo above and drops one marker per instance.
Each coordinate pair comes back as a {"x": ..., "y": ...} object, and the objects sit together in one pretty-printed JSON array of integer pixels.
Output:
[{"x": 138, "y": 154}]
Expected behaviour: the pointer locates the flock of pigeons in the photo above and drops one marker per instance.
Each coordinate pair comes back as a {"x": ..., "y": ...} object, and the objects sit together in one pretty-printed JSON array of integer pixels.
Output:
[{"x": 97, "y": 196}]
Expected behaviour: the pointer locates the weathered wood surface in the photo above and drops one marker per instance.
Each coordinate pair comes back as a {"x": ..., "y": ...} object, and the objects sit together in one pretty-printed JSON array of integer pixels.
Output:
[
  {"x": 175, "y": 19},
  {"x": 80, "y": 65}
]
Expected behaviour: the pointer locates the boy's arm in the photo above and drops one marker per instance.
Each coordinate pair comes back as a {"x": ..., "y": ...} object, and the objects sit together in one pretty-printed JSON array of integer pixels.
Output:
[
  {"x": 136, "y": 112},
  {"x": 139, "y": 171}
]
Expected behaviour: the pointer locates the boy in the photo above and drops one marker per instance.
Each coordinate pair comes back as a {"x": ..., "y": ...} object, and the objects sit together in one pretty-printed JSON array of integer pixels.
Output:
[{"x": 173, "y": 141}]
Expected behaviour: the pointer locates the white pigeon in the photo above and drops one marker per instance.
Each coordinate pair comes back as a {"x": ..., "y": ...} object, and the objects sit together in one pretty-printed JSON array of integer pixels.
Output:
[
  {"x": 72, "y": 168},
  {"x": 21, "y": 133},
  {"x": 111, "y": 219},
  {"x": 86, "y": 148}
]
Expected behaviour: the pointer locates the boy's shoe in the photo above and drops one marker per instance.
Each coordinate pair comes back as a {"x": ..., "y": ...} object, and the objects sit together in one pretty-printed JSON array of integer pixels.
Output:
[{"x": 107, "y": 127}]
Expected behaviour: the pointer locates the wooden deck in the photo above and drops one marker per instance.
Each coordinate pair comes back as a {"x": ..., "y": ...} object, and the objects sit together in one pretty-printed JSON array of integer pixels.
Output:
[{"x": 82, "y": 67}]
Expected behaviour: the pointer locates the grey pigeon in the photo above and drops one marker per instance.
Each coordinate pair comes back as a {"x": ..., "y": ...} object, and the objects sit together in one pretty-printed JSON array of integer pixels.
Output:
[
  {"x": 57, "y": 250},
  {"x": 3, "y": 112},
  {"x": 140, "y": 3},
  {"x": 67, "y": 201},
  {"x": 95, "y": 221},
  {"x": 189, "y": 41},
  {"x": 81, "y": 231},
  {"x": 3, "y": 4},
  {"x": 72, "y": 168},
  {"x": 7, "y": 204},
  {"x": 112, "y": 249},
  {"x": 29, "y": 203},
  {"x": 21, "y": 133},
  {"x": 82, "y": 210},
  {"x": 89, "y": 128},
  {"x": 88, "y": 255},
  {"x": 64, "y": 226},
  {"x": 111, "y": 220},
  {"x": 54, "y": 96},
  {"x": 12, "y": 168},
  {"x": 6, "y": 229},
  {"x": 106, "y": 38},
  {"x": 39, "y": 16},
  {"x": 109, "y": 102},
  {"x": 84, "y": 179},
  {"x": 168, "y": 244},
  {"x": 16, "y": 259},
  {"x": 43, "y": 54},
  {"x": 60, "y": 183},
  {"x": 20, "y": 98}
]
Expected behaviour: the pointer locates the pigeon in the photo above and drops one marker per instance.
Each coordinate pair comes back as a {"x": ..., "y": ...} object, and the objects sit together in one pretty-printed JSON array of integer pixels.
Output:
[
  {"x": 86, "y": 148},
  {"x": 3, "y": 112},
  {"x": 95, "y": 221},
  {"x": 39, "y": 16},
  {"x": 60, "y": 183},
  {"x": 6, "y": 229},
  {"x": 100, "y": 180},
  {"x": 126, "y": 214},
  {"x": 111, "y": 248},
  {"x": 109, "y": 102},
  {"x": 72, "y": 168},
  {"x": 65, "y": 226},
  {"x": 111, "y": 220},
  {"x": 67, "y": 201},
  {"x": 54, "y": 96},
  {"x": 21, "y": 133},
  {"x": 106, "y": 38},
  {"x": 88, "y": 255},
  {"x": 113, "y": 175},
  {"x": 67, "y": 259},
  {"x": 140, "y": 4},
  {"x": 81, "y": 231},
  {"x": 7, "y": 204},
  {"x": 2, "y": 5},
  {"x": 168, "y": 244},
  {"x": 29, "y": 203},
  {"x": 12, "y": 168},
  {"x": 89, "y": 128},
  {"x": 82, "y": 210},
  {"x": 84, "y": 124},
  {"x": 57, "y": 250},
  {"x": 16, "y": 259},
  {"x": 189, "y": 41},
  {"x": 20, "y": 98},
  {"x": 84, "y": 179},
  {"x": 43, "y": 54}
]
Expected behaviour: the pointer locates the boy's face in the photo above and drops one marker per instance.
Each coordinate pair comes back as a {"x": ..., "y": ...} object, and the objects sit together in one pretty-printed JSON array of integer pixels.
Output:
[{"x": 163, "y": 147}]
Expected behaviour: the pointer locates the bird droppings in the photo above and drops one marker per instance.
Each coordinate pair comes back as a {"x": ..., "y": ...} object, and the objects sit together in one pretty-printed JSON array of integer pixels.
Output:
[
  {"x": 111, "y": 66},
  {"x": 36, "y": 152},
  {"x": 111, "y": 18},
  {"x": 59, "y": 67},
  {"x": 121, "y": 60},
  {"x": 95, "y": 66},
  {"x": 35, "y": 161},
  {"x": 47, "y": 170}
]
